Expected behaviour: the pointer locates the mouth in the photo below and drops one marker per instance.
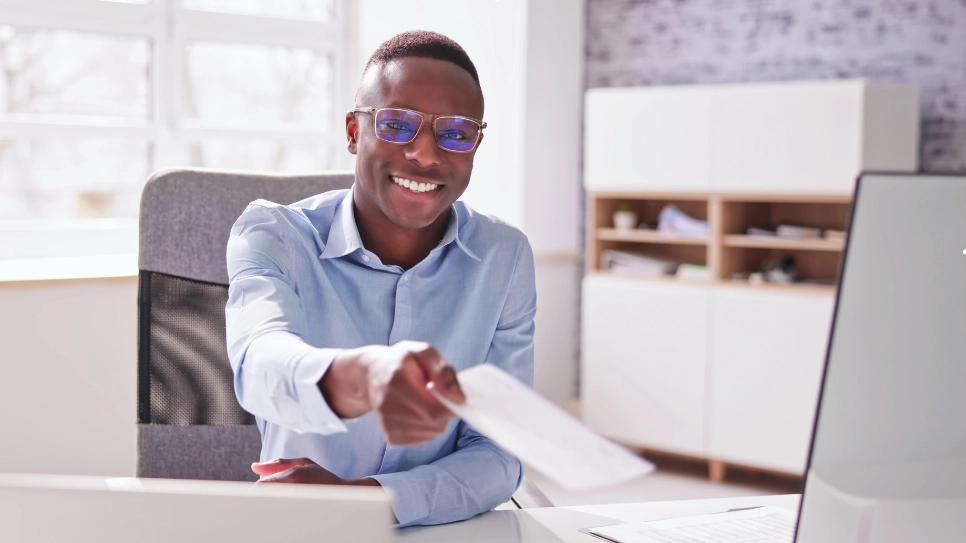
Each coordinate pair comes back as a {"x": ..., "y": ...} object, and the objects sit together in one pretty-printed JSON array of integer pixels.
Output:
[{"x": 414, "y": 186}]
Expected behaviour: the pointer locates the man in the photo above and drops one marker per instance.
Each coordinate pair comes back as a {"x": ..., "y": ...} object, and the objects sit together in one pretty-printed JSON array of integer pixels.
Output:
[{"x": 347, "y": 308}]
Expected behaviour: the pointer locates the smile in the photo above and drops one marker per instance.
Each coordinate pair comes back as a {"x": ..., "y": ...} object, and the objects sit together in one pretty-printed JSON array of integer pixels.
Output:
[{"x": 414, "y": 186}]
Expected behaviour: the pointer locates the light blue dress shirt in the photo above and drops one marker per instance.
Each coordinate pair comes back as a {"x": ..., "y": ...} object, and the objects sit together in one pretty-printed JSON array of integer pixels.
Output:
[{"x": 302, "y": 287}]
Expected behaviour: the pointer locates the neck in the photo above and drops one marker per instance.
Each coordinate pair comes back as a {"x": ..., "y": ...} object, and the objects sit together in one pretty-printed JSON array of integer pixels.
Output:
[{"x": 394, "y": 245}]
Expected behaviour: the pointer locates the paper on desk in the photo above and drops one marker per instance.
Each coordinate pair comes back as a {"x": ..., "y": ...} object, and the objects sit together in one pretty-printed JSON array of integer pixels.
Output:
[
  {"x": 539, "y": 433},
  {"x": 760, "y": 525}
]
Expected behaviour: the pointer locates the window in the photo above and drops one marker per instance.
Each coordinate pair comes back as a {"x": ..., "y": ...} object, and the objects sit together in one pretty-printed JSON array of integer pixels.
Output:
[{"x": 96, "y": 94}]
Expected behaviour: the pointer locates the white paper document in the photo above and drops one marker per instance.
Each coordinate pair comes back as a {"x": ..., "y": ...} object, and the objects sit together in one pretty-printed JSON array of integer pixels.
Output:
[
  {"x": 759, "y": 525},
  {"x": 539, "y": 433}
]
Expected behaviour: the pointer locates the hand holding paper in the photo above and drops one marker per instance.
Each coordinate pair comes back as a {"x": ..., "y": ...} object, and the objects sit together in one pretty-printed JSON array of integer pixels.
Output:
[{"x": 539, "y": 433}]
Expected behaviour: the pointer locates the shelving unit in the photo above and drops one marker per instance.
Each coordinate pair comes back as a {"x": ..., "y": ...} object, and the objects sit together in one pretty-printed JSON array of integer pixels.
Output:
[
  {"x": 724, "y": 371},
  {"x": 721, "y": 371},
  {"x": 727, "y": 249}
]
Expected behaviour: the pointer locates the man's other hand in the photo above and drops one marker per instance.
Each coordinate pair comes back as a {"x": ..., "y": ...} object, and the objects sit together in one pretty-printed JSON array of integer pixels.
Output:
[
  {"x": 395, "y": 382},
  {"x": 302, "y": 471}
]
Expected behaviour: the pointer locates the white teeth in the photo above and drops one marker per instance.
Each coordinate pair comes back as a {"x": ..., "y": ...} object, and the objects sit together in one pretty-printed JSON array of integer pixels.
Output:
[{"x": 414, "y": 186}]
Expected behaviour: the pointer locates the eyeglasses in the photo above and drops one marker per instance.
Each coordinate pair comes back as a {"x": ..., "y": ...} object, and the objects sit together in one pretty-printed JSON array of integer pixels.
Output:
[{"x": 453, "y": 132}]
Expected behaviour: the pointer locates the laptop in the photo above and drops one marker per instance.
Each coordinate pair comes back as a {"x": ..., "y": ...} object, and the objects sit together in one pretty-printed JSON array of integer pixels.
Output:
[
  {"x": 888, "y": 456},
  {"x": 85, "y": 509}
]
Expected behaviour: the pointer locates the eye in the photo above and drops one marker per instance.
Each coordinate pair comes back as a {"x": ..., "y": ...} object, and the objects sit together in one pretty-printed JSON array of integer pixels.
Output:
[
  {"x": 397, "y": 125},
  {"x": 457, "y": 135}
]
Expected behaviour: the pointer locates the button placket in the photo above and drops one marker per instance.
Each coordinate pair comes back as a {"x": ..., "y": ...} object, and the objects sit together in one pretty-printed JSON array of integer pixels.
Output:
[{"x": 402, "y": 318}]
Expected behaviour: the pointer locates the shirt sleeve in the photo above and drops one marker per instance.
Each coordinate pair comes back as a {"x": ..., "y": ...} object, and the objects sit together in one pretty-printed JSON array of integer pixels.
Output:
[
  {"x": 276, "y": 373},
  {"x": 479, "y": 475}
]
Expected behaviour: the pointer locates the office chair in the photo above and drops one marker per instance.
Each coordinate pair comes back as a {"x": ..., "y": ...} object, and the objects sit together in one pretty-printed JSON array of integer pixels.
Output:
[{"x": 190, "y": 425}]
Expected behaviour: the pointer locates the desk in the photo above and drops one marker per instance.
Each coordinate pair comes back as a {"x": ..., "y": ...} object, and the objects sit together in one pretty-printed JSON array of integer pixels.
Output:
[{"x": 560, "y": 524}]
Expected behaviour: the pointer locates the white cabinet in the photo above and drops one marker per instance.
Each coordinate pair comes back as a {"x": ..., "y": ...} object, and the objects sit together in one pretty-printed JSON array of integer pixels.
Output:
[
  {"x": 647, "y": 138},
  {"x": 767, "y": 352},
  {"x": 644, "y": 359},
  {"x": 802, "y": 137}
]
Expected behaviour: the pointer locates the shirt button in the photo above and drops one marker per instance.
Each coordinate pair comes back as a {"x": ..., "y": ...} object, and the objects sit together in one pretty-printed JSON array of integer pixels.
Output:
[
  {"x": 365, "y": 258},
  {"x": 405, "y": 278},
  {"x": 333, "y": 426}
]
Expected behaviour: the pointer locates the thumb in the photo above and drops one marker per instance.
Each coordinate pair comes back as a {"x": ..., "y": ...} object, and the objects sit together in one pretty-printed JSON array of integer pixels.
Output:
[
  {"x": 441, "y": 376},
  {"x": 443, "y": 380},
  {"x": 278, "y": 465}
]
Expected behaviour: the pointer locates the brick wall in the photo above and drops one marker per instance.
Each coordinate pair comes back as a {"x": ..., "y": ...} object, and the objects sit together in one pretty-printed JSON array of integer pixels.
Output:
[{"x": 684, "y": 42}]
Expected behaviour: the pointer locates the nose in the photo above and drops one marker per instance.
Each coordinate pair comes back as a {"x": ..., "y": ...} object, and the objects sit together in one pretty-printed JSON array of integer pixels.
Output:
[{"x": 423, "y": 150}]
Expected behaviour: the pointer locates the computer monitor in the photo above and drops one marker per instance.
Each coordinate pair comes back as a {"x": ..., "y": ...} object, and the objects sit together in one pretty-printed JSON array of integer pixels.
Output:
[
  {"x": 888, "y": 457},
  {"x": 85, "y": 509}
]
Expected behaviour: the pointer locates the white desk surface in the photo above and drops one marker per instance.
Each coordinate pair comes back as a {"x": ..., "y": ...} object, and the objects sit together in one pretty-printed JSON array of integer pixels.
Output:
[{"x": 560, "y": 524}]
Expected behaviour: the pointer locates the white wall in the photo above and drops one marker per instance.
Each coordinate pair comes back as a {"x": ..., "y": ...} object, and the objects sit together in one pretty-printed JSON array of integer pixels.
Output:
[
  {"x": 554, "y": 112},
  {"x": 68, "y": 392}
]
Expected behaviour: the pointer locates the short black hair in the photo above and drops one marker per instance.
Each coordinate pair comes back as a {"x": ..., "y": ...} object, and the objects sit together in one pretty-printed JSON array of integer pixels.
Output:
[{"x": 423, "y": 44}]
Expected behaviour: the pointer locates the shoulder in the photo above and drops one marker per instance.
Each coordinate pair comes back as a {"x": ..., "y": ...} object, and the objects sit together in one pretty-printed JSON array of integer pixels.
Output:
[
  {"x": 306, "y": 217},
  {"x": 489, "y": 236}
]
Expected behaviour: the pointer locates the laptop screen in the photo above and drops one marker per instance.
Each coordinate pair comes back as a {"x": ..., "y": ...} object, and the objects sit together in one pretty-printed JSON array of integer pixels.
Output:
[{"x": 888, "y": 458}]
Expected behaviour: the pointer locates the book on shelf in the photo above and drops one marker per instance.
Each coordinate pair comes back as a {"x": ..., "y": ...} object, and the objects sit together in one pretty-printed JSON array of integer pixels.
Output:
[
  {"x": 626, "y": 262},
  {"x": 674, "y": 221},
  {"x": 798, "y": 232},
  {"x": 760, "y": 232}
]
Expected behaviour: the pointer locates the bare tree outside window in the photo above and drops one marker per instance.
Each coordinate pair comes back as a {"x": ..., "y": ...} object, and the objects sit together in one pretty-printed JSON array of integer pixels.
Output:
[
  {"x": 245, "y": 85},
  {"x": 58, "y": 76},
  {"x": 88, "y": 109}
]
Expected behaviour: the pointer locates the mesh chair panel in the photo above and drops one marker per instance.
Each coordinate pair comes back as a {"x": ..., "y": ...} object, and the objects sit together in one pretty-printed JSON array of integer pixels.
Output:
[{"x": 183, "y": 371}]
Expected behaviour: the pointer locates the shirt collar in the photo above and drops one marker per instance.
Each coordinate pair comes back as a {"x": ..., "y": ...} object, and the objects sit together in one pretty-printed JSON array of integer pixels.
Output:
[
  {"x": 453, "y": 233},
  {"x": 344, "y": 235}
]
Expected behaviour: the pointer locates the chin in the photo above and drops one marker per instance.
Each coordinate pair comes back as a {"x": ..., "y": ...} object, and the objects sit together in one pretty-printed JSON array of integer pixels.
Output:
[{"x": 412, "y": 223}]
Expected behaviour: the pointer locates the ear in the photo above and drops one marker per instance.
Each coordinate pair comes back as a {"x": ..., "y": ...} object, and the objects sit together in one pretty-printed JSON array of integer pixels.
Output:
[
  {"x": 351, "y": 131},
  {"x": 479, "y": 142}
]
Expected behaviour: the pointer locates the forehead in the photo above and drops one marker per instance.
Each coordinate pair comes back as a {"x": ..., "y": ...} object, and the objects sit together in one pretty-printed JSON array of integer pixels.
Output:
[{"x": 424, "y": 84}]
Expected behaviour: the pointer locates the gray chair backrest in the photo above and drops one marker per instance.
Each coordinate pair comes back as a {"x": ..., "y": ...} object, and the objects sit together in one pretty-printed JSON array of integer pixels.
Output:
[{"x": 190, "y": 425}]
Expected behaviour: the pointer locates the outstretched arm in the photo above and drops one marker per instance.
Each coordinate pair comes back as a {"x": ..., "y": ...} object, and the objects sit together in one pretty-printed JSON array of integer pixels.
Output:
[{"x": 281, "y": 378}]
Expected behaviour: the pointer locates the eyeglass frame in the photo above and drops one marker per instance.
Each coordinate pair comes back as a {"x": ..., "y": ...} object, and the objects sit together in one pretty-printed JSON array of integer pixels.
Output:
[{"x": 426, "y": 117}]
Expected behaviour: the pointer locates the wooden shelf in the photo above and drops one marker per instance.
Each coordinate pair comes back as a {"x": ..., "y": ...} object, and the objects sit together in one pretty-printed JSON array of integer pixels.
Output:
[
  {"x": 725, "y": 249},
  {"x": 774, "y": 242},
  {"x": 649, "y": 236}
]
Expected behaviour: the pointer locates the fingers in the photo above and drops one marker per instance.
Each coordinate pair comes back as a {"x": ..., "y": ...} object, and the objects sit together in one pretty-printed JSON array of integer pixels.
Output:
[
  {"x": 312, "y": 474},
  {"x": 399, "y": 392},
  {"x": 264, "y": 469},
  {"x": 441, "y": 375}
]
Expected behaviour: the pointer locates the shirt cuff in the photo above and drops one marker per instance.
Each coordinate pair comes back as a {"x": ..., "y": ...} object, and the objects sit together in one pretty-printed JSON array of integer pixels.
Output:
[
  {"x": 316, "y": 412},
  {"x": 407, "y": 495}
]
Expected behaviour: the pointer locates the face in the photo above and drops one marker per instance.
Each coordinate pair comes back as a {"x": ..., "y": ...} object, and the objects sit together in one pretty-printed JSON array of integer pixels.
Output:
[{"x": 429, "y": 86}]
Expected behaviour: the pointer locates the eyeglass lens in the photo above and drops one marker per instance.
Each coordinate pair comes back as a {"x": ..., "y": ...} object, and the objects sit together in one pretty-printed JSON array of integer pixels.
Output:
[{"x": 452, "y": 133}]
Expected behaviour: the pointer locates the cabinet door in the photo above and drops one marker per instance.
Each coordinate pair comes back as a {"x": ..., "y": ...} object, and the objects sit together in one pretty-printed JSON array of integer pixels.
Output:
[
  {"x": 787, "y": 137},
  {"x": 647, "y": 139},
  {"x": 644, "y": 353},
  {"x": 767, "y": 354}
]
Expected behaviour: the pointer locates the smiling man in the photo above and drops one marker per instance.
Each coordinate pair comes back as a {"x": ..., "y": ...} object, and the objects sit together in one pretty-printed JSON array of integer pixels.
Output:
[{"x": 347, "y": 308}]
